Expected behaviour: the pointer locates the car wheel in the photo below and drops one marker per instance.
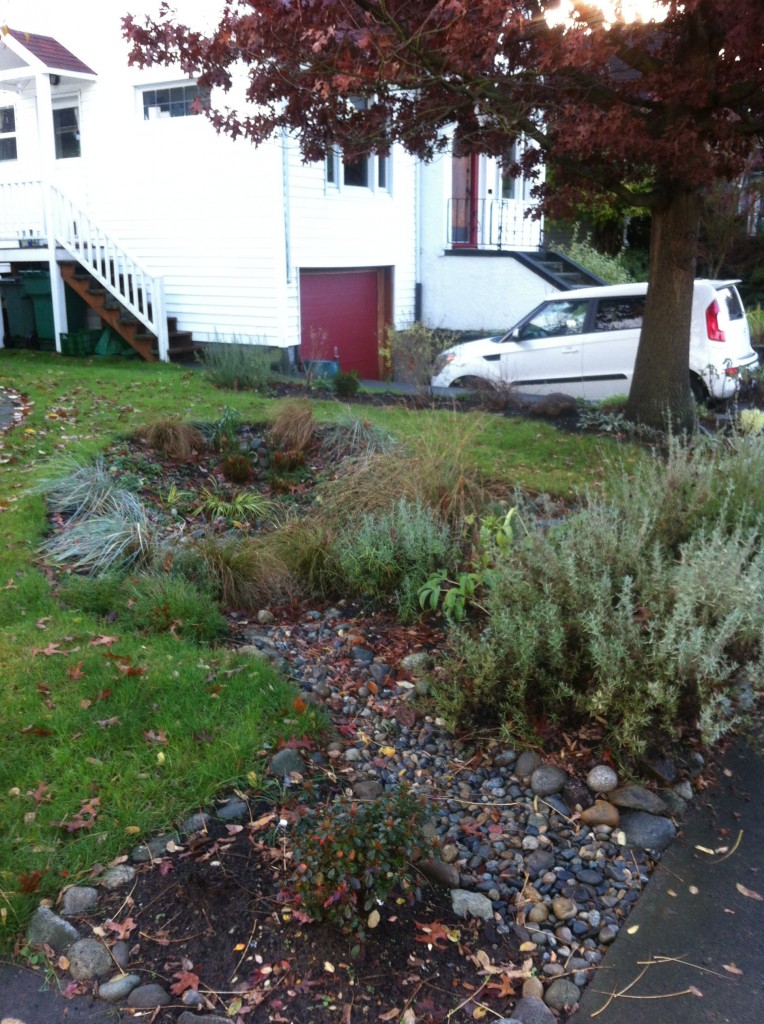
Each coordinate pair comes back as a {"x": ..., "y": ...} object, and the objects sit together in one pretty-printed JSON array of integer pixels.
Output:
[
  {"x": 698, "y": 387},
  {"x": 474, "y": 383}
]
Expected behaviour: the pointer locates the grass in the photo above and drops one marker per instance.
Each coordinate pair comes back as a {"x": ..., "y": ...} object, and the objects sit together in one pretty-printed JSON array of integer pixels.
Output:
[{"x": 75, "y": 717}]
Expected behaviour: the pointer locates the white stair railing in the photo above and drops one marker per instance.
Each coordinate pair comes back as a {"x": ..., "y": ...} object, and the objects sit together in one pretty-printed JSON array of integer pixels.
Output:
[{"x": 120, "y": 274}]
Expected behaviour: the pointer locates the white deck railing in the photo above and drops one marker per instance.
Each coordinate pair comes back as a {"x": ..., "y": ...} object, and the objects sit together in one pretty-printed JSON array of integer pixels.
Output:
[
  {"x": 498, "y": 224},
  {"x": 33, "y": 214}
]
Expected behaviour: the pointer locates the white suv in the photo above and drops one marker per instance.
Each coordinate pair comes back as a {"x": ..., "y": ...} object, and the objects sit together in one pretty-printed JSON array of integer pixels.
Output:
[{"x": 584, "y": 342}]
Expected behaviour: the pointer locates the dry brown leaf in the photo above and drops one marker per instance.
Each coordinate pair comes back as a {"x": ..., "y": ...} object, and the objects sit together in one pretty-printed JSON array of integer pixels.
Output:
[
  {"x": 731, "y": 969},
  {"x": 750, "y": 893}
]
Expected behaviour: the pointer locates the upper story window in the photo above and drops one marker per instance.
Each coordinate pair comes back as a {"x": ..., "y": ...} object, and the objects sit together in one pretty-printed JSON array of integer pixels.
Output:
[
  {"x": 7, "y": 133},
  {"x": 66, "y": 127},
  {"x": 174, "y": 101},
  {"x": 372, "y": 172}
]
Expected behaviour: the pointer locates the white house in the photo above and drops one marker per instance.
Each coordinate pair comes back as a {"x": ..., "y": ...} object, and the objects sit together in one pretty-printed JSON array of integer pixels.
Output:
[{"x": 175, "y": 235}]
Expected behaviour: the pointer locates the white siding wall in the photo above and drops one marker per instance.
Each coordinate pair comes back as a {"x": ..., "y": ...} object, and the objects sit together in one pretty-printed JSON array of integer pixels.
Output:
[{"x": 471, "y": 291}]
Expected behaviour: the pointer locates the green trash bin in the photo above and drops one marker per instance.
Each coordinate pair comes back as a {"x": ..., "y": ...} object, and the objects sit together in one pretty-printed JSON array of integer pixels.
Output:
[
  {"x": 18, "y": 305},
  {"x": 36, "y": 284}
]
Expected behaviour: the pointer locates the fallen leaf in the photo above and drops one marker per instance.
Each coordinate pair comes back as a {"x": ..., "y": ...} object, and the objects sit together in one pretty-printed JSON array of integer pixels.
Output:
[
  {"x": 122, "y": 930},
  {"x": 299, "y": 705},
  {"x": 732, "y": 969},
  {"x": 107, "y": 723},
  {"x": 186, "y": 980},
  {"x": 390, "y": 1015},
  {"x": 35, "y": 730},
  {"x": 158, "y": 736},
  {"x": 750, "y": 893},
  {"x": 40, "y": 624},
  {"x": 373, "y": 919},
  {"x": 329, "y": 967},
  {"x": 104, "y": 641},
  {"x": 84, "y": 818},
  {"x": 29, "y": 882},
  {"x": 49, "y": 651},
  {"x": 75, "y": 671},
  {"x": 633, "y": 929}
]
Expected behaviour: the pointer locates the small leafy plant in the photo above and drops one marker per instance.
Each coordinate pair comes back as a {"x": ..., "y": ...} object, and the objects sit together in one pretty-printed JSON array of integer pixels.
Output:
[
  {"x": 223, "y": 433},
  {"x": 246, "y": 505},
  {"x": 352, "y": 856},
  {"x": 346, "y": 385},
  {"x": 237, "y": 468}
]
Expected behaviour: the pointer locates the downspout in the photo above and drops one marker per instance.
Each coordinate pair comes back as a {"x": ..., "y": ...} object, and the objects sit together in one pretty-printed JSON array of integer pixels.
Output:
[
  {"x": 46, "y": 140},
  {"x": 286, "y": 206},
  {"x": 418, "y": 242}
]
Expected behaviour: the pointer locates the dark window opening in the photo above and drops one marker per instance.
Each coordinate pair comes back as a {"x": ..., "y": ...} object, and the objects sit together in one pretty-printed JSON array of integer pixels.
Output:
[{"x": 66, "y": 129}]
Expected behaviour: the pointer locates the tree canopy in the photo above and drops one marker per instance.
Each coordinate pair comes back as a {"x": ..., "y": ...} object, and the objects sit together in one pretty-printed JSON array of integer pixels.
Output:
[{"x": 651, "y": 113}]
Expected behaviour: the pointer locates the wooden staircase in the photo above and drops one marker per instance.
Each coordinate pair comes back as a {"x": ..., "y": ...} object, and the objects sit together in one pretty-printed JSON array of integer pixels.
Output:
[{"x": 181, "y": 345}]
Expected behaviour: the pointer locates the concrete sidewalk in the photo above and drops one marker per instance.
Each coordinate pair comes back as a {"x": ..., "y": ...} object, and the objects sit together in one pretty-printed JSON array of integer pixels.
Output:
[{"x": 705, "y": 910}]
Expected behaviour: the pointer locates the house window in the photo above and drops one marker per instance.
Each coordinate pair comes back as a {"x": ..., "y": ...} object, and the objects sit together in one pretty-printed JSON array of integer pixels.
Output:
[
  {"x": 174, "y": 101},
  {"x": 66, "y": 129},
  {"x": 356, "y": 172},
  {"x": 7, "y": 133}
]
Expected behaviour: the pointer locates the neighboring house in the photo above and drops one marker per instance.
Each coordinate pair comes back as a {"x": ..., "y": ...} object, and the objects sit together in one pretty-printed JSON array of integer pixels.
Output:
[{"x": 175, "y": 235}]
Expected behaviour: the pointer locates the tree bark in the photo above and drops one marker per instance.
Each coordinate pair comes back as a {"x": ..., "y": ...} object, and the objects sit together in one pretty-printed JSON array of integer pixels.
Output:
[{"x": 660, "y": 395}]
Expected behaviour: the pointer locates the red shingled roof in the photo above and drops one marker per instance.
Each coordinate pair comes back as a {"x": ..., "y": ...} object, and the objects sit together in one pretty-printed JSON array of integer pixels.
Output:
[{"x": 50, "y": 52}]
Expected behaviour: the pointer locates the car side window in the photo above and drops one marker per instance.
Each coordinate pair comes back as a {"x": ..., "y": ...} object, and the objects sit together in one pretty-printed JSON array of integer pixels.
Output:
[
  {"x": 556, "y": 318},
  {"x": 620, "y": 314}
]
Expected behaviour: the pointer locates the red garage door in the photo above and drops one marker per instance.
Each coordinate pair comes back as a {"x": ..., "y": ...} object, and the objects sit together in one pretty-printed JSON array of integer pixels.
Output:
[{"x": 341, "y": 314}]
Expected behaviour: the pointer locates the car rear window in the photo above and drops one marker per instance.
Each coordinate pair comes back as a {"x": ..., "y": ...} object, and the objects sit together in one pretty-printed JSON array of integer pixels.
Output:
[
  {"x": 730, "y": 298},
  {"x": 620, "y": 314}
]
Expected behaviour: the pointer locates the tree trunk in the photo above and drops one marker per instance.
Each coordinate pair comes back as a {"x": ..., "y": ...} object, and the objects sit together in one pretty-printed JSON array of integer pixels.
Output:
[{"x": 660, "y": 395}]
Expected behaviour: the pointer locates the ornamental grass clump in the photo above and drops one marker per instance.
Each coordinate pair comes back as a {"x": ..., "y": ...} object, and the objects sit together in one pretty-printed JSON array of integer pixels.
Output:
[
  {"x": 243, "y": 571},
  {"x": 173, "y": 438},
  {"x": 123, "y": 536},
  {"x": 82, "y": 490},
  {"x": 293, "y": 427},
  {"x": 352, "y": 856},
  {"x": 236, "y": 366}
]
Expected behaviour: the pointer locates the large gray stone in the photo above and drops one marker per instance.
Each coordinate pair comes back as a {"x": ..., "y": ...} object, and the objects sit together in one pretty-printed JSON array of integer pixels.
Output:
[
  {"x": 88, "y": 959},
  {"x": 115, "y": 877},
  {"x": 49, "y": 929},
  {"x": 602, "y": 779},
  {"x": 647, "y": 831},
  {"x": 539, "y": 861},
  {"x": 154, "y": 849},
  {"x": 526, "y": 764},
  {"x": 548, "y": 779},
  {"x": 561, "y": 993},
  {"x": 637, "y": 798},
  {"x": 285, "y": 762},
  {"x": 533, "y": 1011},
  {"x": 146, "y": 997},
  {"x": 234, "y": 809},
  {"x": 472, "y": 903},
  {"x": 119, "y": 989},
  {"x": 80, "y": 899},
  {"x": 417, "y": 663}
]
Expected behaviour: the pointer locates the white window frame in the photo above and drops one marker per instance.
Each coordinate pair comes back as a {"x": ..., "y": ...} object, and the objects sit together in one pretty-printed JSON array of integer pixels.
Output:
[
  {"x": 71, "y": 101},
  {"x": 334, "y": 174},
  {"x": 10, "y": 135},
  {"x": 154, "y": 112}
]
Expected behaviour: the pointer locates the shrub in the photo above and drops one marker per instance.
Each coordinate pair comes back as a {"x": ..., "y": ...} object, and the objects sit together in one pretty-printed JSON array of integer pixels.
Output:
[
  {"x": 293, "y": 426},
  {"x": 392, "y": 553},
  {"x": 351, "y": 857},
  {"x": 414, "y": 349},
  {"x": 756, "y": 325},
  {"x": 610, "y": 269},
  {"x": 171, "y": 604},
  {"x": 121, "y": 537},
  {"x": 238, "y": 367},
  {"x": 245, "y": 572},
  {"x": 597, "y": 619},
  {"x": 237, "y": 468},
  {"x": 172, "y": 437},
  {"x": 345, "y": 385}
]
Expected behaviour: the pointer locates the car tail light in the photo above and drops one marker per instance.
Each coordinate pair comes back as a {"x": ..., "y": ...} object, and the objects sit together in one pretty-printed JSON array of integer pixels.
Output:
[
  {"x": 730, "y": 371},
  {"x": 714, "y": 331}
]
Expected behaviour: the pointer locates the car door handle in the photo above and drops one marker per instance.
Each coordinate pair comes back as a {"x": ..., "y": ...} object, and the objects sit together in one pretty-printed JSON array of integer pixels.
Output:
[{"x": 570, "y": 351}]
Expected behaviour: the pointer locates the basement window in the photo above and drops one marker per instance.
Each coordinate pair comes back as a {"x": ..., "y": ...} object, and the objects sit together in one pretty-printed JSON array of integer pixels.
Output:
[{"x": 7, "y": 133}]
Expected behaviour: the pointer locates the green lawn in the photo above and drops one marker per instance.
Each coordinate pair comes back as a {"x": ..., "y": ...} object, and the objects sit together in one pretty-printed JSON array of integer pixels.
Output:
[{"x": 108, "y": 736}]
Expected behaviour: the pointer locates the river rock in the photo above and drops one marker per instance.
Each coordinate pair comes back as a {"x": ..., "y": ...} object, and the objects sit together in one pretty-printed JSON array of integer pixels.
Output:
[
  {"x": 80, "y": 899},
  {"x": 368, "y": 789},
  {"x": 472, "y": 903},
  {"x": 436, "y": 871},
  {"x": 146, "y": 997},
  {"x": 561, "y": 993},
  {"x": 601, "y": 813},
  {"x": 121, "y": 874},
  {"x": 88, "y": 959},
  {"x": 49, "y": 929},
  {"x": 530, "y": 1010},
  {"x": 285, "y": 762},
  {"x": 417, "y": 663},
  {"x": 637, "y": 798},
  {"x": 548, "y": 779},
  {"x": 602, "y": 779},
  {"x": 647, "y": 831},
  {"x": 526, "y": 764},
  {"x": 119, "y": 989}
]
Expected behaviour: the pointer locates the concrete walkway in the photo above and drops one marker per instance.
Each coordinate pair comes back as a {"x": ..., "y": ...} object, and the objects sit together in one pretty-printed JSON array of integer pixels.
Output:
[{"x": 703, "y": 909}]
